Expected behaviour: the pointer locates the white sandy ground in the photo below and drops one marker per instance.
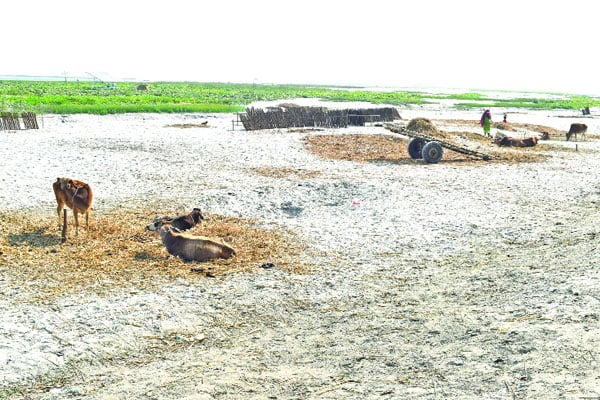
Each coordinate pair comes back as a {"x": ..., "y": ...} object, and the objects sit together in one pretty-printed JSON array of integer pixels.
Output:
[{"x": 446, "y": 281}]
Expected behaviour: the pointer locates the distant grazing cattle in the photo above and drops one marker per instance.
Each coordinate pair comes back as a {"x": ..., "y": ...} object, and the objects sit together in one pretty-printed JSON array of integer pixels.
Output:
[
  {"x": 182, "y": 222},
  {"x": 575, "y": 129},
  {"x": 142, "y": 86},
  {"x": 76, "y": 195},
  {"x": 189, "y": 247},
  {"x": 516, "y": 142}
]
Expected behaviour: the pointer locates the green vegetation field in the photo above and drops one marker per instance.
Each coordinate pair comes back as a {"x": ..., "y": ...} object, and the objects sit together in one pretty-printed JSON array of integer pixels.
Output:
[{"x": 58, "y": 97}]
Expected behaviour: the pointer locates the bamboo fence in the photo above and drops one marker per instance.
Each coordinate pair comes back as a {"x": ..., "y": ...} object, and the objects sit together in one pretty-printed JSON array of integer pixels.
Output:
[
  {"x": 11, "y": 121},
  {"x": 297, "y": 117}
]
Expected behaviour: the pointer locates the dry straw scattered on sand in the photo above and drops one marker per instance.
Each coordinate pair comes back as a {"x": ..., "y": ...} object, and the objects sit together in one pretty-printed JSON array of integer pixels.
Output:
[
  {"x": 117, "y": 251},
  {"x": 394, "y": 148},
  {"x": 285, "y": 172},
  {"x": 189, "y": 125}
]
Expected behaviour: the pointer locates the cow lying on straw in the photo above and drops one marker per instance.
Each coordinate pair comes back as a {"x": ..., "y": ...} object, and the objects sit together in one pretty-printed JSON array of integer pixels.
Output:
[
  {"x": 182, "y": 222},
  {"x": 502, "y": 140},
  {"x": 189, "y": 247}
]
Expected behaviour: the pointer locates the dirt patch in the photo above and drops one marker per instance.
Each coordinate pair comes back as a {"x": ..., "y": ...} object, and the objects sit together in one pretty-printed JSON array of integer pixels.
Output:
[
  {"x": 117, "y": 254},
  {"x": 285, "y": 172}
]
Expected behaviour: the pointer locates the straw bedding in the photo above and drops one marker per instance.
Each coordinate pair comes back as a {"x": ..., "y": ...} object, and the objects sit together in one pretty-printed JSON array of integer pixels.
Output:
[{"x": 118, "y": 252}]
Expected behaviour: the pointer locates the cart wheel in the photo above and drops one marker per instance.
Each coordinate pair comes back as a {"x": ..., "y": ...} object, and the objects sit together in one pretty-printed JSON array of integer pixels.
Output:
[
  {"x": 432, "y": 152},
  {"x": 415, "y": 147}
]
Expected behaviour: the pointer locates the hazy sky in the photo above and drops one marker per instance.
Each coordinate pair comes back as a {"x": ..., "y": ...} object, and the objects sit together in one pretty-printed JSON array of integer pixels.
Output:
[{"x": 506, "y": 45}]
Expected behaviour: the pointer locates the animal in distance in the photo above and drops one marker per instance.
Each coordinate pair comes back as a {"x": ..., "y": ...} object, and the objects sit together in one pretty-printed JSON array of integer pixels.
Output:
[
  {"x": 515, "y": 142},
  {"x": 574, "y": 129}
]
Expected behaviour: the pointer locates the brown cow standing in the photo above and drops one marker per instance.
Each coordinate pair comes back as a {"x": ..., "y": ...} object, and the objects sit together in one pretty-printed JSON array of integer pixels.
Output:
[
  {"x": 76, "y": 195},
  {"x": 575, "y": 129}
]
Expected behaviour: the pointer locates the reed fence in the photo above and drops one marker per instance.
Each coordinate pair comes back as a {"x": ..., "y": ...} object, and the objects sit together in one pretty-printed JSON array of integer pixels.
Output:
[
  {"x": 11, "y": 121},
  {"x": 297, "y": 117}
]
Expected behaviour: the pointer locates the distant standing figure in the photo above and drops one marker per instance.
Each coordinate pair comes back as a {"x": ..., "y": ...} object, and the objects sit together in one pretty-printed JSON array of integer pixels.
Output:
[
  {"x": 486, "y": 122},
  {"x": 504, "y": 119}
]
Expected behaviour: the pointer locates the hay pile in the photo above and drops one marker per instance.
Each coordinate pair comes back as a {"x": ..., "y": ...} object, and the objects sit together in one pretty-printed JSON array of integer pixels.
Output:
[
  {"x": 117, "y": 254},
  {"x": 421, "y": 125}
]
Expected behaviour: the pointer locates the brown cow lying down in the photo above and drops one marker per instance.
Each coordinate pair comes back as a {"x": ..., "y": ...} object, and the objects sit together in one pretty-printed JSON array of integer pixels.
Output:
[
  {"x": 76, "y": 195},
  {"x": 182, "y": 222},
  {"x": 189, "y": 247},
  {"x": 516, "y": 142}
]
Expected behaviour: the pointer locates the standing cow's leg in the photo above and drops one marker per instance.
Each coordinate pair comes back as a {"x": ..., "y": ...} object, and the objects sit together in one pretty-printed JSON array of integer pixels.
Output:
[
  {"x": 59, "y": 208},
  {"x": 76, "y": 221}
]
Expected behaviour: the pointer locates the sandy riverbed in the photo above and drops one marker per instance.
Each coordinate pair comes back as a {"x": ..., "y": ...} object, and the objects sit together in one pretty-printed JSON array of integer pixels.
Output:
[{"x": 468, "y": 281}]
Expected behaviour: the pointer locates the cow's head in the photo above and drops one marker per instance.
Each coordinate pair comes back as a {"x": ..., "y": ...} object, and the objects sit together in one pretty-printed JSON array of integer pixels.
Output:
[
  {"x": 158, "y": 223},
  {"x": 197, "y": 214},
  {"x": 65, "y": 183}
]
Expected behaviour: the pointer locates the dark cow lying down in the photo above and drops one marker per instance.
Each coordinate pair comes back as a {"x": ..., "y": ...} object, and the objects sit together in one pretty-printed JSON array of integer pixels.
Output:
[
  {"x": 189, "y": 247},
  {"x": 182, "y": 222},
  {"x": 516, "y": 142}
]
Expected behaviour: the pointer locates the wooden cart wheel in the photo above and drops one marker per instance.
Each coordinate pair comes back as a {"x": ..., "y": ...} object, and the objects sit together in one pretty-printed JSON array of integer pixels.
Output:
[
  {"x": 432, "y": 152},
  {"x": 415, "y": 148}
]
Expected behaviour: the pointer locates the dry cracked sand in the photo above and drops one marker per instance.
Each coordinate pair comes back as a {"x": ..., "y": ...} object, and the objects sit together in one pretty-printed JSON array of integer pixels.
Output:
[{"x": 474, "y": 280}]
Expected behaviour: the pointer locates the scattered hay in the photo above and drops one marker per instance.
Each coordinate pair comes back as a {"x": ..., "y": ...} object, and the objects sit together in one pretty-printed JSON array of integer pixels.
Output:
[
  {"x": 552, "y": 132},
  {"x": 509, "y": 126},
  {"x": 283, "y": 172},
  {"x": 186, "y": 126},
  {"x": 504, "y": 126},
  {"x": 361, "y": 148},
  {"x": 305, "y": 130},
  {"x": 369, "y": 148},
  {"x": 116, "y": 254}
]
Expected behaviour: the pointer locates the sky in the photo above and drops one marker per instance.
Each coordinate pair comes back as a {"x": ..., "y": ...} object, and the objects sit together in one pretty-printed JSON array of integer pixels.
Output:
[{"x": 525, "y": 45}]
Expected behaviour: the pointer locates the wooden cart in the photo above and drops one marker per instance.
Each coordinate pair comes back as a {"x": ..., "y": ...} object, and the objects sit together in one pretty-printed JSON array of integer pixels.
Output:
[{"x": 430, "y": 148}]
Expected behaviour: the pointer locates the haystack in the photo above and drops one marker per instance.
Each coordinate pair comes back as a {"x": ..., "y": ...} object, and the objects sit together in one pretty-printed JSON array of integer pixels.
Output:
[{"x": 422, "y": 125}]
